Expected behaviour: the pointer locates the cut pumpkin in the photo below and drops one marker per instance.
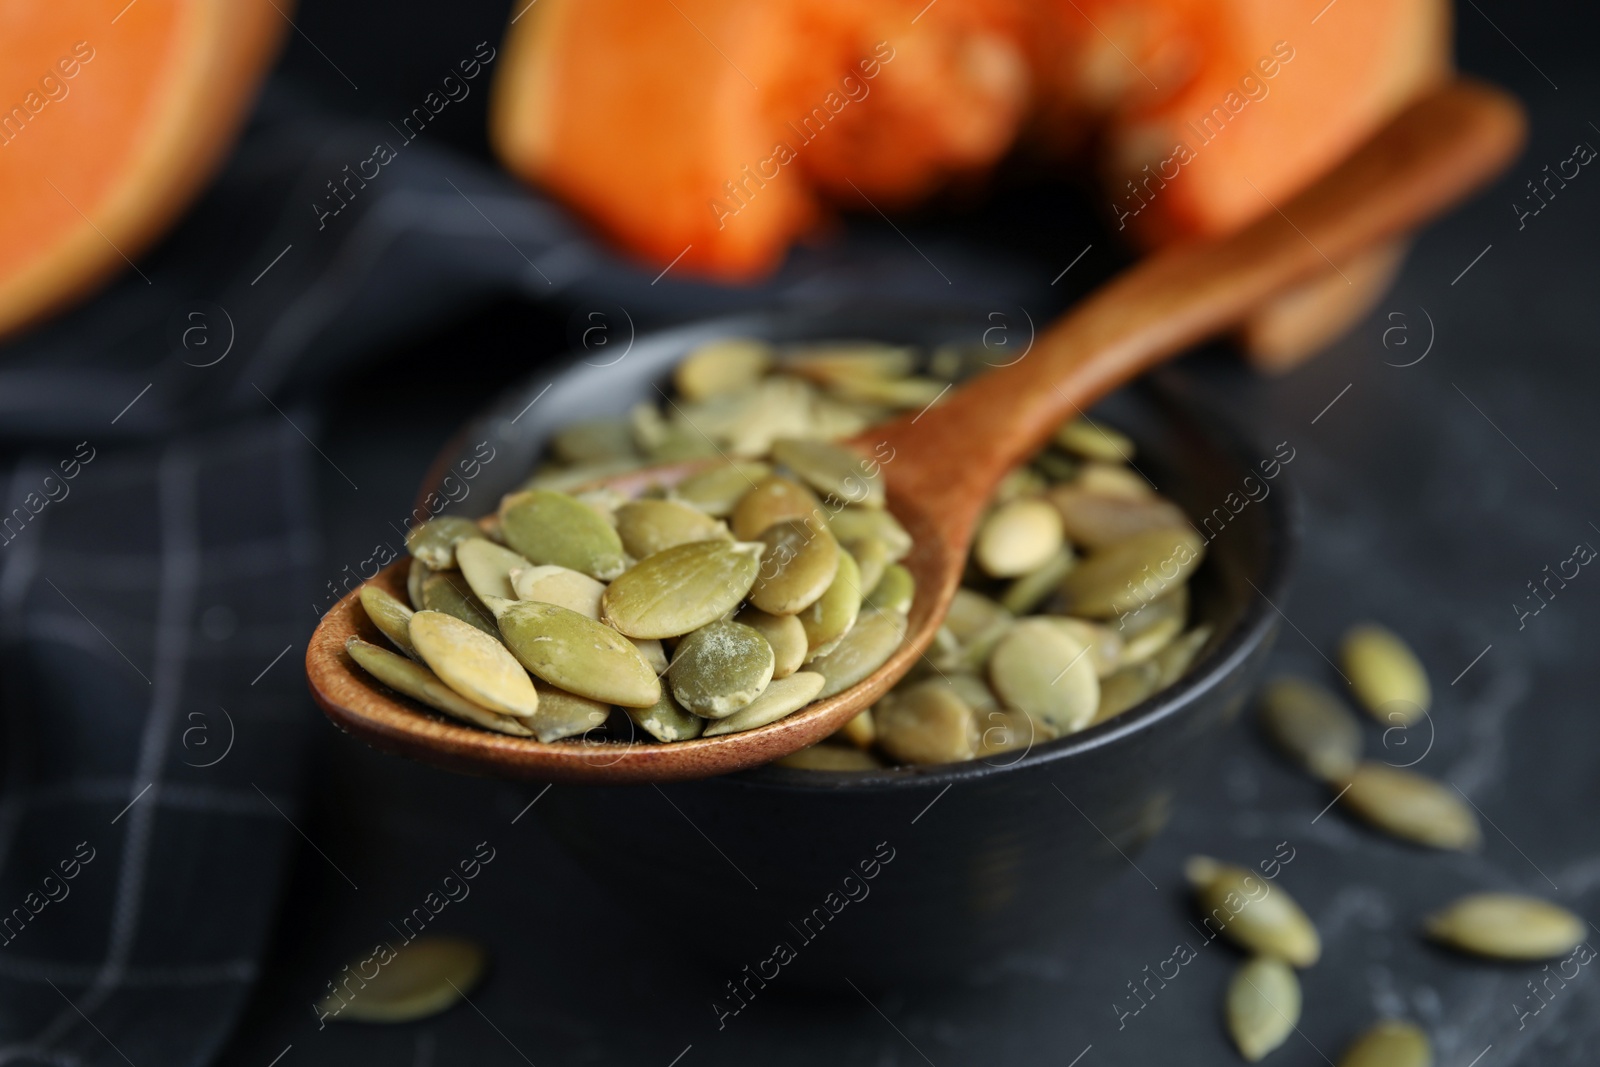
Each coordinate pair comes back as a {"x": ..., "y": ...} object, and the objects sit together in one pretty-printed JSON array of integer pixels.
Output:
[{"x": 112, "y": 116}]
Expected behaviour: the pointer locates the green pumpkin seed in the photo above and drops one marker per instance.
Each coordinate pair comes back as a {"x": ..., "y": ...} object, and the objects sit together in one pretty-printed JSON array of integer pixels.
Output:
[
  {"x": 872, "y": 558},
  {"x": 1263, "y": 1006},
  {"x": 1148, "y": 629},
  {"x": 868, "y": 645},
  {"x": 1040, "y": 669},
  {"x": 447, "y": 591},
  {"x": 434, "y": 542},
  {"x": 419, "y": 573},
  {"x": 560, "y": 586},
  {"x": 972, "y": 615},
  {"x": 573, "y": 652},
  {"x": 682, "y": 589},
  {"x": 1003, "y": 730},
  {"x": 487, "y": 567},
  {"x": 1408, "y": 806},
  {"x": 549, "y": 527},
  {"x": 774, "y": 499},
  {"x": 1018, "y": 537},
  {"x": 829, "y": 364},
  {"x": 830, "y": 617},
  {"x": 570, "y": 478},
  {"x": 665, "y": 720},
  {"x": 800, "y": 561},
  {"x": 650, "y": 526},
  {"x": 473, "y": 664},
  {"x": 389, "y": 615},
  {"x": 1255, "y": 914},
  {"x": 717, "y": 491},
  {"x": 1094, "y": 440},
  {"x": 927, "y": 723},
  {"x": 1020, "y": 482},
  {"x": 833, "y": 470},
  {"x": 1125, "y": 687},
  {"x": 784, "y": 633},
  {"x": 1033, "y": 588},
  {"x": 830, "y": 758},
  {"x": 724, "y": 366},
  {"x": 594, "y": 441},
  {"x": 895, "y": 590},
  {"x": 1130, "y": 575},
  {"x": 720, "y": 669},
  {"x": 423, "y": 978},
  {"x": 904, "y": 394},
  {"x": 1391, "y": 1043},
  {"x": 1055, "y": 466},
  {"x": 1388, "y": 679},
  {"x": 859, "y": 730},
  {"x": 1175, "y": 659},
  {"x": 1311, "y": 727},
  {"x": 1115, "y": 479},
  {"x": 1507, "y": 926},
  {"x": 563, "y": 714},
  {"x": 857, "y": 524},
  {"x": 1098, "y": 519},
  {"x": 782, "y": 697},
  {"x": 421, "y": 684},
  {"x": 1105, "y": 647}
]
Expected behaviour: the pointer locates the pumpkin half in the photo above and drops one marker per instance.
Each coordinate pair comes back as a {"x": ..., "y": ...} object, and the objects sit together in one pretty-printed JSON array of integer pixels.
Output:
[{"x": 112, "y": 117}]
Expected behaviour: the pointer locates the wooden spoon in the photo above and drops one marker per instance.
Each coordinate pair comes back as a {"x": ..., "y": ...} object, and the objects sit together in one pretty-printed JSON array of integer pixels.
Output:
[{"x": 947, "y": 461}]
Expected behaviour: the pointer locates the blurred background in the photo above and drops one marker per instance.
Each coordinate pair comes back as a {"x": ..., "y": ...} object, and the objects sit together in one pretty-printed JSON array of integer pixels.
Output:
[{"x": 263, "y": 261}]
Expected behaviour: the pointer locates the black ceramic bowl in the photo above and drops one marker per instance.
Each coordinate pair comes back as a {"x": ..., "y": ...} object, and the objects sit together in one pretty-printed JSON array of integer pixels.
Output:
[{"x": 910, "y": 875}]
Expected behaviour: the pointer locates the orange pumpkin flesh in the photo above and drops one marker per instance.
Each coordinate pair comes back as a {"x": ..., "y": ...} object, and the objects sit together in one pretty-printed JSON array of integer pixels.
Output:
[{"x": 108, "y": 129}]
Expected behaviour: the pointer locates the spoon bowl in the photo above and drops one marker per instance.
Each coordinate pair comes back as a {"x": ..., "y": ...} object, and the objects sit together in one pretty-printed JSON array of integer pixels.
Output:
[{"x": 944, "y": 462}]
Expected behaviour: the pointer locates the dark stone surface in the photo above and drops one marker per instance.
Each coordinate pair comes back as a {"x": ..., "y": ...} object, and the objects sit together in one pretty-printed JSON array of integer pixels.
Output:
[{"x": 1433, "y": 493}]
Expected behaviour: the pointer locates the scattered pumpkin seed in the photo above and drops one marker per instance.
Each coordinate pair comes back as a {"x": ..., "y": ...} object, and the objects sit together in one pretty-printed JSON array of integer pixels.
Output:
[
  {"x": 1311, "y": 727},
  {"x": 725, "y": 366},
  {"x": 774, "y": 499},
  {"x": 473, "y": 663},
  {"x": 927, "y": 723},
  {"x": 682, "y": 589},
  {"x": 1391, "y": 1043},
  {"x": 573, "y": 652},
  {"x": 1018, "y": 537},
  {"x": 1033, "y": 588},
  {"x": 780, "y": 698},
  {"x": 447, "y": 591},
  {"x": 895, "y": 590},
  {"x": 832, "y": 470},
  {"x": 389, "y": 615},
  {"x": 1094, "y": 440},
  {"x": 550, "y": 527},
  {"x": 421, "y": 684},
  {"x": 1256, "y": 915},
  {"x": 566, "y": 588},
  {"x": 665, "y": 720},
  {"x": 423, "y": 978},
  {"x": 488, "y": 567},
  {"x": 1040, "y": 669},
  {"x": 721, "y": 668},
  {"x": 1507, "y": 926},
  {"x": 650, "y": 526},
  {"x": 1132, "y": 574},
  {"x": 832, "y": 614},
  {"x": 798, "y": 564},
  {"x": 1386, "y": 675},
  {"x": 1407, "y": 805},
  {"x": 434, "y": 542},
  {"x": 868, "y": 645},
  {"x": 1263, "y": 1006},
  {"x": 716, "y": 491}
]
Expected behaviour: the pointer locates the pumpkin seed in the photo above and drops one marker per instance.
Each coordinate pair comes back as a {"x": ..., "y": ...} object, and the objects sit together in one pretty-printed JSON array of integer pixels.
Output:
[
  {"x": 1147, "y": 630},
  {"x": 573, "y": 652},
  {"x": 774, "y": 499},
  {"x": 473, "y": 664},
  {"x": 682, "y": 589},
  {"x": 800, "y": 561},
  {"x": 1391, "y": 1043},
  {"x": 1105, "y": 647},
  {"x": 716, "y": 491},
  {"x": 594, "y": 441},
  {"x": 447, "y": 591},
  {"x": 1033, "y": 588},
  {"x": 872, "y": 558},
  {"x": 1130, "y": 575},
  {"x": 1263, "y": 1006},
  {"x": 855, "y": 524},
  {"x": 390, "y": 616},
  {"x": 1125, "y": 687},
  {"x": 1175, "y": 659},
  {"x": 973, "y": 615},
  {"x": 665, "y": 720},
  {"x": 1055, "y": 466},
  {"x": 419, "y": 573},
  {"x": 1003, "y": 730},
  {"x": 830, "y": 758},
  {"x": 487, "y": 567},
  {"x": 895, "y": 590},
  {"x": 434, "y": 542},
  {"x": 830, "y": 617},
  {"x": 1094, "y": 440},
  {"x": 421, "y": 684},
  {"x": 565, "y": 480},
  {"x": 723, "y": 366},
  {"x": 603, "y": 501},
  {"x": 1389, "y": 680},
  {"x": 566, "y": 588},
  {"x": 1507, "y": 926},
  {"x": 868, "y": 645},
  {"x": 563, "y": 714},
  {"x": 859, "y": 730},
  {"x": 1409, "y": 806},
  {"x": 1018, "y": 537},
  {"x": 784, "y": 633},
  {"x": 1097, "y": 519},
  {"x": 1040, "y": 669},
  {"x": 829, "y": 364},
  {"x": 650, "y": 526},
  {"x": 720, "y": 668},
  {"x": 832, "y": 470},
  {"x": 549, "y": 527},
  {"x": 927, "y": 723},
  {"x": 423, "y": 978},
  {"x": 1020, "y": 482},
  {"x": 1115, "y": 479},
  {"x": 1255, "y": 915},
  {"x": 782, "y": 697},
  {"x": 905, "y": 394},
  {"x": 974, "y": 690},
  {"x": 1311, "y": 727}
]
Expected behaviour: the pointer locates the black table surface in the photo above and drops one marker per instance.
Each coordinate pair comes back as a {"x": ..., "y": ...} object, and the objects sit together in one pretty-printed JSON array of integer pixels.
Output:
[{"x": 1444, "y": 454}]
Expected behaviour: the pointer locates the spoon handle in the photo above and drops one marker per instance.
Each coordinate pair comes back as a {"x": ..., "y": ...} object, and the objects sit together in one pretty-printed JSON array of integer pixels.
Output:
[{"x": 1430, "y": 156}]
